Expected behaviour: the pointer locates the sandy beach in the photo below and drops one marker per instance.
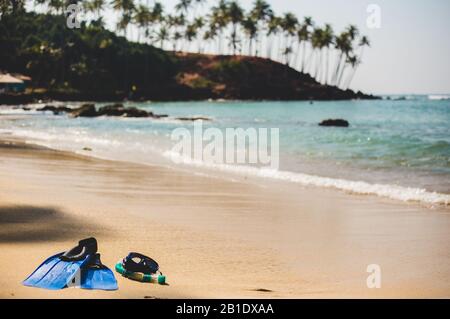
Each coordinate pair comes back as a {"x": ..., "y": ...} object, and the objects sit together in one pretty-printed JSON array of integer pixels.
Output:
[{"x": 213, "y": 237}]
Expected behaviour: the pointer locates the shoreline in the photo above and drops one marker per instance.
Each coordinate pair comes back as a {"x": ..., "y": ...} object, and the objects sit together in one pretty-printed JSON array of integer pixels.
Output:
[
  {"x": 296, "y": 242},
  {"x": 408, "y": 194},
  {"x": 51, "y": 97}
]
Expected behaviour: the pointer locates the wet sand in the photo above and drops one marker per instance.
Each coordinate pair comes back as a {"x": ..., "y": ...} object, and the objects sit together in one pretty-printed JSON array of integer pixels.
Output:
[{"x": 213, "y": 237}]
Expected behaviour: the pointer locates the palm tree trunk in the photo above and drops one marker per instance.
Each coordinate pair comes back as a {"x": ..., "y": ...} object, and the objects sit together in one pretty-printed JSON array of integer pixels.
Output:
[
  {"x": 268, "y": 46},
  {"x": 327, "y": 67},
  {"x": 338, "y": 66},
  {"x": 318, "y": 62},
  {"x": 309, "y": 61},
  {"x": 350, "y": 78},
  {"x": 295, "y": 56},
  {"x": 341, "y": 75},
  {"x": 280, "y": 49},
  {"x": 303, "y": 56}
]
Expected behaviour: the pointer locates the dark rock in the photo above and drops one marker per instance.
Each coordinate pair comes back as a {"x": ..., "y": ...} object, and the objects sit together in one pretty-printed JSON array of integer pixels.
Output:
[
  {"x": 194, "y": 118},
  {"x": 135, "y": 112},
  {"x": 85, "y": 110},
  {"x": 50, "y": 108},
  {"x": 116, "y": 109},
  {"x": 87, "y": 149},
  {"x": 158, "y": 116},
  {"x": 334, "y": 122},
  {"x": 56, "y": 109},
  {"x": 119, "y": 110}
]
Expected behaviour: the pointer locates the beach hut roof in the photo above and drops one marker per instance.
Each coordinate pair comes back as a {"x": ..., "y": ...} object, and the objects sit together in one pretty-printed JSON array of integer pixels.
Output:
[{"x": 7, "y": 78}]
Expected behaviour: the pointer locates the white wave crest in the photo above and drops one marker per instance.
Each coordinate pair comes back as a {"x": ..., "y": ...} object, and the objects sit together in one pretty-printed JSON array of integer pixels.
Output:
[{"x": 396, "y": 192}]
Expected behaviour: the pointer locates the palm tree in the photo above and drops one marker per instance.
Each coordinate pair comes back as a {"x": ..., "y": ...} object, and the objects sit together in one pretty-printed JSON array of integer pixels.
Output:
[
  {"x": 157, "y": 18},
  {"x": 157, "y": 12},
  {"x": 305, "y": 36},
  {"x": 250, "y": 29},
  {"x": 56, "y": 5},
  {"x": 343, "y": 45},
  {"x": 199, "y": 24},
  {"x": 352, "y": 32},
  {"x": 235, "y": 15},
  {"x": 289, "y": 24},
  {"x": 142, "y": 18},
  {"x": 95, "y": 7},
  {"x": 210, "y": 34},
  {"x": 260, "y": 14},
  {"x": 125, "y": 8},
  {"x": 354, "y": 62},
  {"x": 346, "y": 47},
  {"x": 316, "y": 43},
  {"x": 177, "y": 36},
  {"x": 190, "y": 34},
  {"x": 327, "y": 41},
  {"x": 273, "y": 28},
  {"x": 176, "y": 22},
  {"x": 162, "y": 36},
  {"x": 219, "y": 20},
  {"x": 123, "y": 23},
  {"x": 302, "y": 38},
  {"x": 363, "y": 42},
  {"x": 183, "y": 6}
]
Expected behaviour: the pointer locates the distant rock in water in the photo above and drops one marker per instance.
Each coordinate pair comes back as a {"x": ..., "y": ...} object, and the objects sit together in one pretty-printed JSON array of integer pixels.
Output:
[
  {"x": 55, "y": 109},
  {"x": 135, "y": 112},
  {"x": 117, "y": 109},
  {"x": 335, "y": 122},
  {"x": 85, "y": 110},
  {"x": 158, "y": 116},
  {"x": 194, "y": 118}
]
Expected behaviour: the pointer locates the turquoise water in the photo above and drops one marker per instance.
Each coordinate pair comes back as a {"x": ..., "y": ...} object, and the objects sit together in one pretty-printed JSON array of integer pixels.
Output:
[{"x": 403, "y": 146}]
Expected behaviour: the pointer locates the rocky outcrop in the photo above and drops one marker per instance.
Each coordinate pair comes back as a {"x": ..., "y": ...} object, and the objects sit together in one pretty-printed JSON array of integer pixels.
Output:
[
  {"x": 335, "y": 122},
  {"x": 86, "y": 110},
  {"x": 55, "y": 109},
  {"x": 89, "y": 110},
  {"x": 118, "y": 109},
  {"x": 202, "y": 76}
]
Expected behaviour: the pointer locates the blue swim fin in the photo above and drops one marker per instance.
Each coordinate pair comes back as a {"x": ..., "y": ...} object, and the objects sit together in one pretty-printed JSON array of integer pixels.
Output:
[
  {"x": 60, "y": 270},
  {"x": 95, "y": 275}
]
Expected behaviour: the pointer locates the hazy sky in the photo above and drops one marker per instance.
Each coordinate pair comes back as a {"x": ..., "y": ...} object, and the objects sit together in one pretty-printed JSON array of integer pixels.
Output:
[{"x": 410, "y": 52}]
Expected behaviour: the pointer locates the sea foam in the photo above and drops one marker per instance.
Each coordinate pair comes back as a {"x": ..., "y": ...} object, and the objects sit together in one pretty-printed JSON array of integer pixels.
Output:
[{"x": 395, "y": 192}]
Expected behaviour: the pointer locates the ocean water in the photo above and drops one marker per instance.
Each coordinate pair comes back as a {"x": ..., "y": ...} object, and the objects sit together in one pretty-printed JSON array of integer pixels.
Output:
[{"x": 397, "y": 148}]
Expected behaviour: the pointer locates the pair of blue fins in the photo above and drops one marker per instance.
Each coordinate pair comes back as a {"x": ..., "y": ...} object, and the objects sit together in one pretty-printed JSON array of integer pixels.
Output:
[{"x": 78, "y": 267}]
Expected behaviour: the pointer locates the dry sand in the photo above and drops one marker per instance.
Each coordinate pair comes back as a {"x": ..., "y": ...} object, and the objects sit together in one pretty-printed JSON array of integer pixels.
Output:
[{"x": 213, "y": 237}]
